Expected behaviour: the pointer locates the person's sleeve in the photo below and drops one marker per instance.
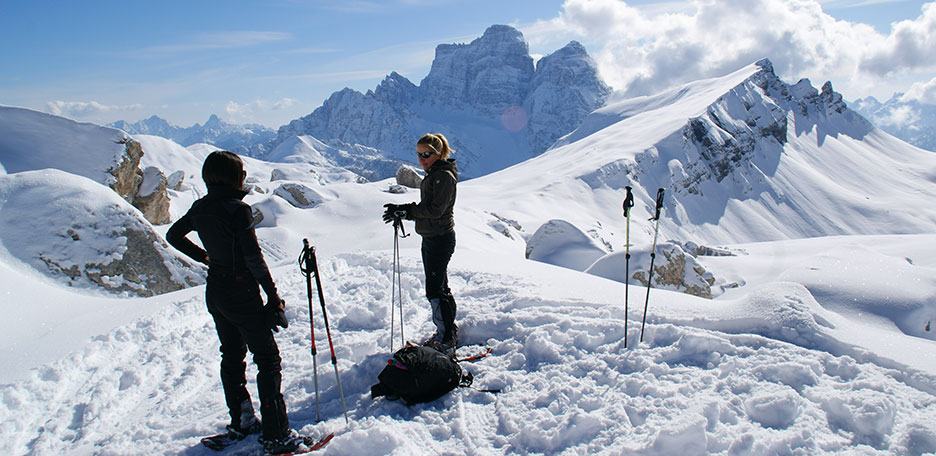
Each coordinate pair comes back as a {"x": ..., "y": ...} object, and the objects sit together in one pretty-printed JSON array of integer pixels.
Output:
[
  {"x": 441, "y": 195},
  {"x": 176, "y": 236},
  {"x": 253, "y": 256}
]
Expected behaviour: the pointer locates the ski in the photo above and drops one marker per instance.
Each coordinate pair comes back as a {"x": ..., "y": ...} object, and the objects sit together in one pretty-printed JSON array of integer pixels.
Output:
[
  {"x": 221, "y": 442},
  {"x": 311, "y": 444},
  {"x": 476, "y": 356}
]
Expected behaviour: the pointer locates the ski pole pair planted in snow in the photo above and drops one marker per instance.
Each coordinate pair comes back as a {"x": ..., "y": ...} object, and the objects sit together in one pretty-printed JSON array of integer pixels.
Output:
[
  {"x": 396, "y": 287},
  {"x": 628, "y": 204},
  {"x": 309, "y": 267}
]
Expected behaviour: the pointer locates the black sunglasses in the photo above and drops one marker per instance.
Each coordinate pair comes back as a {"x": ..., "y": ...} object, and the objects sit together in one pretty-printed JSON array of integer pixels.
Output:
[{"x": 425, "y": 154}]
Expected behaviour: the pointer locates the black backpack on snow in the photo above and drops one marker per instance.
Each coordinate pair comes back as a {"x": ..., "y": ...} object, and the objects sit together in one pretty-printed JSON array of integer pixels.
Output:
[{"x": 419, "y": 374}]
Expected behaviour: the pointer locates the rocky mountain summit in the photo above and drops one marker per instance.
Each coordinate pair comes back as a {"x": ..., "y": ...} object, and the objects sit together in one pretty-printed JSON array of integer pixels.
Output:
[{"x": 496, "y": 107}]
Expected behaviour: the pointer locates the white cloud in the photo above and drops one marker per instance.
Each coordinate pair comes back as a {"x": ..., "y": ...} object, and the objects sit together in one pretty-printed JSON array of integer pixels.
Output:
[
  {"x": 910, "y": 46},
  {"x": 899, "y": 117},
  {"x": 83, "y": 109},
  {"x": 641, "y": 50},
  {"x": 235, "y": 109},
  {"x": 283, "y": 103},
  {"x": 924, "y": 92},
  {"x": 247, "y": 112}
]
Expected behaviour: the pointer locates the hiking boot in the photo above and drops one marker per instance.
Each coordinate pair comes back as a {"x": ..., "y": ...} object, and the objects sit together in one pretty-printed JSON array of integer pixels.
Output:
[
  {"x": 255, "y": 427},
  {"x": 247, "y": 422},
  {"x": 450, "y": 339},
  {"x": 288, "y": 443}
]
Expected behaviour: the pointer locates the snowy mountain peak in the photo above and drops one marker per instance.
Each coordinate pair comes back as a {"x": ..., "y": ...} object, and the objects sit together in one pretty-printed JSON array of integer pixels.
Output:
[
  {"x": 214, "y": 122},
  {"x": 487, "y": 76},
  {"x": 750, "y": 125},
  {"x": 486, "y": 96}
]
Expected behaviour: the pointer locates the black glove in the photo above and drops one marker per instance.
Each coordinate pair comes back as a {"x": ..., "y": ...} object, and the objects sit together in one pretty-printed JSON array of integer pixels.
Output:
[
  {"x": 274, "y": 313},
  {"x": 396, "y": 210}
]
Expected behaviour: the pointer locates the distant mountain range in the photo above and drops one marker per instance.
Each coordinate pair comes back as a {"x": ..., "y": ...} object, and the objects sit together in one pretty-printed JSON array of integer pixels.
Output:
[
  {"x": 236, "y": 138},
  {"x": 909, "y": 120}
]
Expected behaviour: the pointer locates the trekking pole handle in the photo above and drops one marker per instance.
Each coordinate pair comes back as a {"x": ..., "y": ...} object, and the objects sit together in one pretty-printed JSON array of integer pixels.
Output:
[
  {"x": 304, "y": 257},
  {"x": 628, "y": 201},
  {"x": 659, "y": 204},
  {"x": 398, "y": 222}
]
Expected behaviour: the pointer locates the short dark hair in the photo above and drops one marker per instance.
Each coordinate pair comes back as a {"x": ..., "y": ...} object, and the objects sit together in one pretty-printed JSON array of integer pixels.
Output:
[{"x": 223, "y": 168}]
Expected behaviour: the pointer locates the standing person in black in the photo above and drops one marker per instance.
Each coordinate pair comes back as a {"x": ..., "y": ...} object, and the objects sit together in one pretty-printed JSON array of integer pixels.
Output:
[
  {"x": 435, "y": 222},
  {"x": 236, "y": 272}
]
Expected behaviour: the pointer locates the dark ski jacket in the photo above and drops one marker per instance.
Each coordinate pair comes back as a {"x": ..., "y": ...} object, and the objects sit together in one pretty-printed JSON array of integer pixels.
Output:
[
  {"x": 225, "y": 226},
  {"x": 434, "y": 214}
]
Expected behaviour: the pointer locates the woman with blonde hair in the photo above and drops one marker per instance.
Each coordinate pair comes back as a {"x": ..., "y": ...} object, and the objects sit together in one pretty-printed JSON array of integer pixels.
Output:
[{"x": 435, "y": 222}]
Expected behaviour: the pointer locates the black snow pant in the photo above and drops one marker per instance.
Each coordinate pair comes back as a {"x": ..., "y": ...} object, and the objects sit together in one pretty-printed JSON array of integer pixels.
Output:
[
  {"x": 436, "y": 253},
  {"x": 235, "y": 304}
]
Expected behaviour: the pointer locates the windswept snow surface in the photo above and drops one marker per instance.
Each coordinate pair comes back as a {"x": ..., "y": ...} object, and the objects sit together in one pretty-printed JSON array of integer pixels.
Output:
[{"x": 780, "y": 365}]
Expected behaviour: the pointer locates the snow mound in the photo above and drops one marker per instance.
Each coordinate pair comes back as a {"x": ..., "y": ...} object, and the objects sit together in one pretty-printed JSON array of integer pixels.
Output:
[
  {"x": 84, "y": 235},
  {"x": 560, "y": 243}
]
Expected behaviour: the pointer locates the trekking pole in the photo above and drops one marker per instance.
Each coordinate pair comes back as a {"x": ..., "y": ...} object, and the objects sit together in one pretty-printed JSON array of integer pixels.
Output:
[
  {"x": 628, "y": 204},
  {"x": 331, "y": 346},
  {"x": 656, "y": 231},
  {"x": 396, "y": 282},
  {"x": 303, "y": 266}
]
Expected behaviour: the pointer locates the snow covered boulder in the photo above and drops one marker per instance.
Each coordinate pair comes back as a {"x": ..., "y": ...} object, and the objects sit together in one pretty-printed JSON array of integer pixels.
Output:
[
  {"x": 152, "y": 198},
  {"x": 560, "y": 243},
  {"x": 407, "y": 176},
  {"x": 84, "y": 235},
  {"x": 673, "y": 269},
  {"x": 299, "y": 195},
  {"x": 175, "y": 180}
]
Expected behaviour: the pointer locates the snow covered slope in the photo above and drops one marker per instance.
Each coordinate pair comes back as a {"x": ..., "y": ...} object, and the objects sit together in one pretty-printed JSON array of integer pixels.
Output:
[{"x": 742, "y": 158}]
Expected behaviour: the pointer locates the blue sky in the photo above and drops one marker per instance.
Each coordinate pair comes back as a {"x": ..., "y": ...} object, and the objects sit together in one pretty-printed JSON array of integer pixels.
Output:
[{"x": 274, "y": 61}]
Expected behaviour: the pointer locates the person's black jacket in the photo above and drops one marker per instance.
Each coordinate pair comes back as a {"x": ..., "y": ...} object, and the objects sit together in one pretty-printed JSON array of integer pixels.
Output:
[
  {"x": 434, "y": 214},
  {"x": 226, "y": 228}
]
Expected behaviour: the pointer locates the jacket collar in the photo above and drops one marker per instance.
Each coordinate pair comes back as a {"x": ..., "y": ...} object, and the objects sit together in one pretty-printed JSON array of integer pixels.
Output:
[{"x": 223, "y": 191}]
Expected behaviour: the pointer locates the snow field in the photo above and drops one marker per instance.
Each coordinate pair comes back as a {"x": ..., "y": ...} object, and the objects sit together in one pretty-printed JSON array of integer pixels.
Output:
[{"x": 569, "y": 386}]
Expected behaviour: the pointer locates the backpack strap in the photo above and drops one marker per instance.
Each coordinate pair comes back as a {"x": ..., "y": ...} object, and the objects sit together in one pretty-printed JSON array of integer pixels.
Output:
[{"x": 466, "y": 380}]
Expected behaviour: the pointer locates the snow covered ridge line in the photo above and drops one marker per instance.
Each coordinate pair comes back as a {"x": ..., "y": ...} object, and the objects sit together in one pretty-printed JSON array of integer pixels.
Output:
[{"x": 30, "y": 140}]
